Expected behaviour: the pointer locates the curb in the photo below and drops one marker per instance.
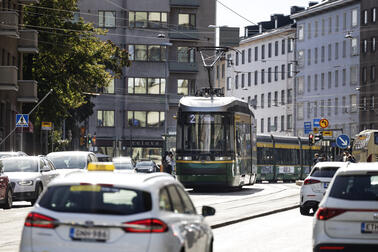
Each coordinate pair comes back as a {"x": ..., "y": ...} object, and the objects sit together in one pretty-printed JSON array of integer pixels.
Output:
[{"x": 227, "y": 223}]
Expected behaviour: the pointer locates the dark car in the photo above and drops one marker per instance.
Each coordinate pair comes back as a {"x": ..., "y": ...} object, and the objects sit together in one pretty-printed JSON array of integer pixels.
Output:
[
  {"x": 147, "y": 166},
  {"x": 6, "y": 192}
]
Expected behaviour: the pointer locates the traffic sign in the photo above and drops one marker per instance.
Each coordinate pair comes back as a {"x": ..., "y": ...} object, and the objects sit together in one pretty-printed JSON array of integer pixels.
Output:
[
  {"x": 328, "y": 133},
  {"x": 316, "y": 130},
  {"x": 307, "y": 127},
  {"x": 46, "y": 126},
  {"x": 323, "y": 123},
  {"x": 22, "y": 120},
  {"x": 342, "y": 141},
  {"x": 315, "y": 122}
]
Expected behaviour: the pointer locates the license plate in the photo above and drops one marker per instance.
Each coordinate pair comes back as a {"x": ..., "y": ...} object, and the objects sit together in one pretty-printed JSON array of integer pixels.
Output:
[
  {"x": 326, "y": 185},
  {"x": 95, "y": 234},
  {"x": 369, "y": 227}
]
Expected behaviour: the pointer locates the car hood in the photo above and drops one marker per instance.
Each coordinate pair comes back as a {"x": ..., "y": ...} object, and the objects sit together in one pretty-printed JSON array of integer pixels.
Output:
[
  {"x": 63, "y": 172},
  {"x": 22, "y": 175}
]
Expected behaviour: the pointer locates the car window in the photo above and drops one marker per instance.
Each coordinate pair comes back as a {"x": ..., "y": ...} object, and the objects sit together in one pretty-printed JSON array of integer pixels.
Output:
[
  {"x": 188, "y": 205},
  {"x": 177, "y": 205},
  {"x": 19, "y": 165},
  {"x": 68, "y": 161},
  {"x": 96, "y": 199},
  {"x": 324, "y": 172},
  {"x": 164, "y": 201},
  {"x": 355, "y": 187},
  {"x": 50, "y": 164}
]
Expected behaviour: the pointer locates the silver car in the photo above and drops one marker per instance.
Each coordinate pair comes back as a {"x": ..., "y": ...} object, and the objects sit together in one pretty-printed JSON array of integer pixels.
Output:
[
  {"x": 69, "y": 161},
  {"x": 28, "y": 175}
]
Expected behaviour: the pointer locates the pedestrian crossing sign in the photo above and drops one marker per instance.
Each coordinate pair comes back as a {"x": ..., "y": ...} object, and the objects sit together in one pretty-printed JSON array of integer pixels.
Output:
[{"x": 22, "y": 120}]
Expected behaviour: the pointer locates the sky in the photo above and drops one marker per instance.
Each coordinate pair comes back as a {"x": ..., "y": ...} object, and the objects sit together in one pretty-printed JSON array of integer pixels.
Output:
[{"x": 253, "y": 10}]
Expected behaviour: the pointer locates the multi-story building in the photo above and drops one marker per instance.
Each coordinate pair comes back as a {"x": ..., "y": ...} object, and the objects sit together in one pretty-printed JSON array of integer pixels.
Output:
[
  {"x": 261, "y": 72},
  {"x": 14, "y": 90},
  {"x": 327, "y": 80},
  {"x": 135, "y": 113},
  {"x": 368, "y": 65},
  {"x": 220, "y": 74}
]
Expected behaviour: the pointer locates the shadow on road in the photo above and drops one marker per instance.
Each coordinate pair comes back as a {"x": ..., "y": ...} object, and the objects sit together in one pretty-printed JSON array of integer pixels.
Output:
[{"x": 225, "y": 191}]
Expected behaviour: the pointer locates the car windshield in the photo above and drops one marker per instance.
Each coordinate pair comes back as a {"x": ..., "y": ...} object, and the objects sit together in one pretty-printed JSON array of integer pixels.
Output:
[
  {"x": 324, "y": 172},
  {"x": 147, "y": 163},
  {"x": 96, "y": 199},
  {"x": 69, "y": 161},
  {"x": 123, "y": 166},
  {"x": 19, "y": 165},
  {"x": 355, "y": 187}
]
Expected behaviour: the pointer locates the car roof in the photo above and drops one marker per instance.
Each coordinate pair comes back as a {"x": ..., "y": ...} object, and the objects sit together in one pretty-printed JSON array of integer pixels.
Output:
[
  {"x": 321, "y": 165},
  {"x": 144, "y": 182},
  {"x": 121, "y": 159},
  {"x": 359, "y": 169},
  {"x": 22, "y": 157},
  {"x": 70, "y": 153}
]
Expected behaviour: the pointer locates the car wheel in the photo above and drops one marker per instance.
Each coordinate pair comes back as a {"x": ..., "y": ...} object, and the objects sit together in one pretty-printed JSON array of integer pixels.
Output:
[
  {"x": 37, "y": 193},
  {"x": 304, "y": 210},
  {"x": 8, "y": 199}
]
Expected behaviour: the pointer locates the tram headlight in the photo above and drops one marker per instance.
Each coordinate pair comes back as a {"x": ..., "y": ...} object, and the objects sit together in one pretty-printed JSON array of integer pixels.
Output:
[
  {"x": 222, "y": 158},
  {"x": 187, "y": 158}
]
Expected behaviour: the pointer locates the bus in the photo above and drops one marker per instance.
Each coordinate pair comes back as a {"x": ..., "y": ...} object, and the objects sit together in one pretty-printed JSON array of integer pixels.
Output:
[
  {"x": 284, "y": 158},
  {"x": 365, "y": 146},
  {"x": 215, "y": 142}
]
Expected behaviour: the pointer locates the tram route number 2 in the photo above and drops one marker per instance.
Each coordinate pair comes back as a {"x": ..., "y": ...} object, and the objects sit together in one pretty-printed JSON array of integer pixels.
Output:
[{"x": 201, "y": 118}]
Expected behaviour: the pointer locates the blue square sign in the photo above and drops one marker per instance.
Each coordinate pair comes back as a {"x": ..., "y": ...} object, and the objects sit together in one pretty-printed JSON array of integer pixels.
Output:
[
  {"x": 307, "y": 127},
  {"x": 316, "y": 122},
  {"x": 22, "y": 120}
]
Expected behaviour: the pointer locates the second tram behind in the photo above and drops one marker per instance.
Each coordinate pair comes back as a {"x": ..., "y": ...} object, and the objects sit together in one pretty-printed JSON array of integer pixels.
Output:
[{"x": 216, "y": 142}]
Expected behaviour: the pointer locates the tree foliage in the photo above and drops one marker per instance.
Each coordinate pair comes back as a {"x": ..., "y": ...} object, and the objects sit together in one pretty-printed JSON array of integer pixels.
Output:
[{"x": 72, "y": 59}]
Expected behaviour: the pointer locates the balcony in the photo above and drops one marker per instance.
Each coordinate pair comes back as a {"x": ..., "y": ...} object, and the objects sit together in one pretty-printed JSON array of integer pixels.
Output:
[
  {"x": 28, "y": 1},
  {"x": 185, "y": 3},
  {"x": 27, "y": 92},
  {"x": 8, "y": 78},
  {"x": 184, "y": 34},
  {"x": 28, "y": 42},
  {"x": 183, "y": 67},
  {"x": 9, "y": 23}
]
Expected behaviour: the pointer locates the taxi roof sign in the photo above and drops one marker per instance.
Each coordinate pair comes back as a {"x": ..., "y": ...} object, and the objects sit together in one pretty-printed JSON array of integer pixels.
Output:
[{"x": 101, "y": 166}]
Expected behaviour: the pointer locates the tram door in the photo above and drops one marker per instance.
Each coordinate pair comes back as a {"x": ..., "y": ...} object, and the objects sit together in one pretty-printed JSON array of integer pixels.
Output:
[{"x": 243, "y": 145}]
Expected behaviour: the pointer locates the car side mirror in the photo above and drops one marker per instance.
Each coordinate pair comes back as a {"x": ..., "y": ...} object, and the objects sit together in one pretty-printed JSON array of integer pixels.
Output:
[
  {"x": 208, "y": 211},
  {"x": 45, "y": 169}
]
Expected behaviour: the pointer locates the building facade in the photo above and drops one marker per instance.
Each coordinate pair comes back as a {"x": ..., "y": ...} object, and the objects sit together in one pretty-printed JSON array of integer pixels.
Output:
[
  {"x": 15, "y": 42},
  {"x": 135, "y": 114},
  {"x": 368, "y": 65},
  {"x": 261, "y": 72},
  {"x": 327, "y": 79}
]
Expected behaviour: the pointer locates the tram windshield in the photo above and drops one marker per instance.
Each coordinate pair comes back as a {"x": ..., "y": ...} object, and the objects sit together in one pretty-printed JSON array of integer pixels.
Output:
[{"x": 201, "y": 133}]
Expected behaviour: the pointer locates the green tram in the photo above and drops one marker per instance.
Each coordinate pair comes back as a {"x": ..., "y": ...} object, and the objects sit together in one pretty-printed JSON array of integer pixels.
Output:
[
  {"x": 215, "y": 142},
  {"x": 284, "y": 158}
]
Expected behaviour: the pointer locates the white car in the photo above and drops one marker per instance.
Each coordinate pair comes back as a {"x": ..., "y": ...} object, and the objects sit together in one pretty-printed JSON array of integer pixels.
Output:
[
  {"x": 4, "y": 154},
  {"x": 347, "y": 218},
  {"x": 315, "y": 185},
  {"x": 69, "y": 161},
  {"x": 28, "y": 176},
  {"x": 107, "y": 211}
]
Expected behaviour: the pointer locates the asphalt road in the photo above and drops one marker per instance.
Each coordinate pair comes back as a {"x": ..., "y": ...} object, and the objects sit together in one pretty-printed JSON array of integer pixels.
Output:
[{"x": 285, "y": 232}]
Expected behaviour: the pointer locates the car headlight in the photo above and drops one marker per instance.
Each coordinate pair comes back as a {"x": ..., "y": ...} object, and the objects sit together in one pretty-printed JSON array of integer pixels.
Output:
[
  {"x": 25, "y": 182},
  {"x": 151, "y": 169},
  {"x": 187, "y": 158},
  {"x": 222, "y": 158}
]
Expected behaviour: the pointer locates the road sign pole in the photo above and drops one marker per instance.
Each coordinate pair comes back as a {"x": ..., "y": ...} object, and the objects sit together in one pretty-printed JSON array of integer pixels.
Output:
[{"x": 22, "y": 133}]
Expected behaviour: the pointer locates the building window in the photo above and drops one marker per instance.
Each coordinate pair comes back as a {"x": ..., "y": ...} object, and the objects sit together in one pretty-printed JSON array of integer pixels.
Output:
[
  {"x": 289, "y": 121},
  {"x": 249, "y": 55},
  {"x": 372, "y": 73},
  {"x": 354, "y": 18},
  {"x": 228, "y": 83},
  {"x": 301, "y": 32},
  {"x": 336, "y": 51},
  {"x": 365, "y": 16},
  {"x": 185, "y": 55},
  {"x": 309, "y": 83},
  {"x": 269, "y": 124},
  {"x": 142, "y": 19},
  {"x": 315, "y": 82},
  {"x": 323, "y": 27},
  {"x": 337, "y": 23},
  {"x": 344, "y": 107},
  {"x": 309, "y": 31},
  {"x": 309, "y": 57},
  {"x": 276, "y": 73},
  {"x": 329, "y": 80},
  {"x": 316, "y": 55},
  {"x": 282, "y": 97},
  {"x": 223, "y": 71},
  {"x": 373, "y": 44},
  {"x": 109, "y": 89},
  {"x": 236, "y": 81},
  {"x": 155, "y": 118},
  {"x": 322, "y": 81},
  {"x": 237, "y": 58},
  {"x": 300, "y": 58},
  {"x": 344, "y": 49},
  {"x": 262, "y": 76},
  {"x": 249, "y": 79},
  {"x": 275, "y": 123},
  {"x": 322, "y": 56},
  {"x": 269, "y": 50},
  {"x": 290, "y": 70},
  {"x": 344, "y": 77},
  {"x": 373, "y": 15},
  {"x": 262, "y": 125},
  {"x": 308, "y": 110},
  {"x": 255, "y": 102},
  {"x": 353, "y": 75},
  {"x": 262, "y": 101},
  {"x": 242, "y": 80},
  {"x": 353, "y": 103},
  {"x": 365, "y": 46},
  {"x": 275, "y": 101},
  {"x": 300, "y": 81},
  {"x": 256, "y": 53},
  {"x": 329, "y": 107},
  {"x": 322, "y": 108},
  {"x": 364, "y": 103},
  {"x": 282, "y": 123},
  {"x": 229, "y": 61},
  {"x": 106, "y": 19},
  {"x": 282, "y": 72},
  {"x": 364, "y": 75},
  {"x": 147, "y": 52},
  {"x": 344, "y": 21},
  {"x": 276, "y": 48},
  {"x": 183, "y": 87},
  {"x": 337, "y": 78},
  {"x": 372, "y": 102},
  {"x": 290, "y": 96},
  {"x": 186, "y": 21},
  {"x": 354, "y": 46},
  {"x": 263, "y": 52},
  {"x": 105, "y": 118},
  {"x": 330, "y": 25},
  {"x": 146, "y": 86},
  {"x": 283, "y": 47},
  {"x": 269, "y": 99},
  {"x": 290, "y": 45},
  {"x": 269, "y": 74},
  {"x": 145, "y": 118},
  {"x": 316, "y": 29},
  {"x": 315, "y": 109},
  {"x": 329, "y": 52},
  {"x": 256, "y": 77},
  {"x": 243, "y": 57},
  {"x": 336, "y": 106}
]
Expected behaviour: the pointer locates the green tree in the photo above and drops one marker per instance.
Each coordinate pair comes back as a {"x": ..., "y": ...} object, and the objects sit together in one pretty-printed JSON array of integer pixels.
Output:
[{"x": 72, "y": 60}]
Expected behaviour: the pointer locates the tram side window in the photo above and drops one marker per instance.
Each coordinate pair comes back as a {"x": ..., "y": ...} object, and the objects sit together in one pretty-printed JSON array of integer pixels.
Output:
[
  {"x": 375, "y": 137},
  {"x": 264, "y": 155},
  {"x": 287, "y": 156}
]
